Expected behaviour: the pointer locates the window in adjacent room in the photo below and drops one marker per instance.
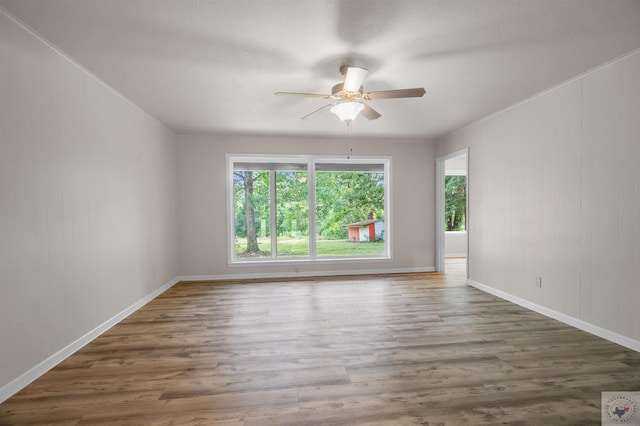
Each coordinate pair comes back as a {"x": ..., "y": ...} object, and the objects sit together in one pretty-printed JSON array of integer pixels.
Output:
[{"x": 455, "y": 202}]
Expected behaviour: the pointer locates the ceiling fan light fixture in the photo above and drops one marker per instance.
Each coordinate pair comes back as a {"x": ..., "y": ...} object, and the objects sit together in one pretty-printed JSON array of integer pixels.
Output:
[
  {"x": 347, "y": 97},
  {"x": 347, "y": 111}
]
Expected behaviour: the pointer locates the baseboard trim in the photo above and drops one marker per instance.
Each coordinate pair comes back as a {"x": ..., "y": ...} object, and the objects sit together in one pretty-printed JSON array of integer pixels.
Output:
[
  {"x": 25, "y": 379},
  {"x": 302, "y": 274},
  {"x": 574, "y": 322}
]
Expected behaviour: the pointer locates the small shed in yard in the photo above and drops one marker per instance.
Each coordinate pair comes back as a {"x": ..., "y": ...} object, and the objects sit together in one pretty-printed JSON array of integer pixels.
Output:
[{"x": 367, "y": 230}]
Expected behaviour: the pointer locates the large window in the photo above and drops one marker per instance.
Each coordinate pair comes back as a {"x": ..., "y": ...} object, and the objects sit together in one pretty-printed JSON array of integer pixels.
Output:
[{"x": 307, "y": 208}]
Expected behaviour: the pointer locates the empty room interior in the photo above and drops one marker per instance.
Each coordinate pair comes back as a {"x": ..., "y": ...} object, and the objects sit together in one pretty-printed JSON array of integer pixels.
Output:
[{"x": 354, "y": 212}]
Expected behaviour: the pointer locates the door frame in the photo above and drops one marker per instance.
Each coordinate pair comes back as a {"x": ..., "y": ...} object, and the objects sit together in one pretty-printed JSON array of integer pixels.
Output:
[{"x": 440, "y": 233}]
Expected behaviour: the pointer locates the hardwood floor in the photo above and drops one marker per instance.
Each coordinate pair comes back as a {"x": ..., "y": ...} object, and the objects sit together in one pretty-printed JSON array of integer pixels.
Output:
[{"x": 400, "y": 349}]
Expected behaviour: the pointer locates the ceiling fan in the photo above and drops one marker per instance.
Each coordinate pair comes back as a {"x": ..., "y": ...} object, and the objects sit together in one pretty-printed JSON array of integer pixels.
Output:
[{"x": 349, "y": 96}]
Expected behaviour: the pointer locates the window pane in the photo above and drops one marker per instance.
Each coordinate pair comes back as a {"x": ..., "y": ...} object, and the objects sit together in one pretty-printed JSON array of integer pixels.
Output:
[
  {"x": 455, "y": 203},
  {"x": 251, "y": 214},
  {"x": 350, "y": 213},
  {"x": 292, "y": 208}
]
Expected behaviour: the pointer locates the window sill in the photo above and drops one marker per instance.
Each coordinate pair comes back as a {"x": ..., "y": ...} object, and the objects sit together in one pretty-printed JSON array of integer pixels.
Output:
[{"x": 306, "y": 261}]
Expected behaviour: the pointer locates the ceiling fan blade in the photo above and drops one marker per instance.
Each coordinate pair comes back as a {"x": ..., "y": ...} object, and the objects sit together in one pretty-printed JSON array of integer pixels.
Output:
[
  {"x": 370, "y": 113},
  {"x": 353, "y": 78},
  {"x": 318, "y": 110},
  {"x": 304, "y": 95},
  {"x": 399, "y": 93}
]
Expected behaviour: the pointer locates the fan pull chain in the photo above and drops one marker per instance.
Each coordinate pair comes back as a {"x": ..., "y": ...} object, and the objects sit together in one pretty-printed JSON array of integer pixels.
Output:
[{"x": 349, "y": 140}]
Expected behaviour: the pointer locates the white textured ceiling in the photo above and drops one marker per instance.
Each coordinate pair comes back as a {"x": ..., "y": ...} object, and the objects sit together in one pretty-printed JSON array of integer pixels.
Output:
[{"x": 213, "y": 66}]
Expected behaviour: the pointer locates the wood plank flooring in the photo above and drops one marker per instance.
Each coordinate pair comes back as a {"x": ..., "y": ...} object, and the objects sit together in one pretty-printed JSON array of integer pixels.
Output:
[{"x": 406, "y": 349}]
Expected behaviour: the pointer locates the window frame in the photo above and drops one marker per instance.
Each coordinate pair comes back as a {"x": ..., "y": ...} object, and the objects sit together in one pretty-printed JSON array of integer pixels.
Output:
[{"x": 310, "y": 160}]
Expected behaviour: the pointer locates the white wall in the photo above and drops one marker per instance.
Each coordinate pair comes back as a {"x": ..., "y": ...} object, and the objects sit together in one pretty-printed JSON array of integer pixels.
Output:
[
  {"x": 87, "y": 204},
  {"x": 554, "y": 191},
  {"x": 455, "y": 243},
  {"x": 202, "y": 191}
]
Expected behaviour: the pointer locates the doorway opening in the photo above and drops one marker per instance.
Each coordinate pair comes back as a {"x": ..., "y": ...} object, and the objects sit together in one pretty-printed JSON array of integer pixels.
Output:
[{"x": 452, "y": 210}]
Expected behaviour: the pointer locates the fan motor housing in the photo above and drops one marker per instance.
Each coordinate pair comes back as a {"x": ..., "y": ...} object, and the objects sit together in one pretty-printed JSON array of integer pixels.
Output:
[{"x": 338, "y": 92}]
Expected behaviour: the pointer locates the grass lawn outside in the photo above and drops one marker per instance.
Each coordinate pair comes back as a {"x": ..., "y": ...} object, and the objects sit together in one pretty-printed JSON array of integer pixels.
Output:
[{"x": 299, "y": 247}]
